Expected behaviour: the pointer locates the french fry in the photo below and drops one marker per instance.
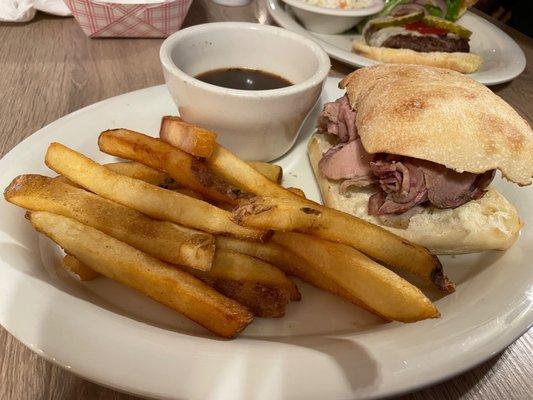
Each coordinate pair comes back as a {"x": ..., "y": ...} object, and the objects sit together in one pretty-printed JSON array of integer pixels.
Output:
[
  {"x": 79, "y": 269},
  {"x": 287, "y": 215},
  {"x": 286, "y": 260},
  {"x": 201, "y": 142},
  {"x": 163, "y": 240},
  {"x": 162, "y": 179},
  {"x": 297, "y": 191},
  {"x": 153, "y": 201},
  {"x": 269, "y": 252},
  {"x": 191, "y": 139},
  {"x": 65, "y": 180},
  {"x": 169, "y": 184},
  {"x": 272, "y": 172},
  {"x": 182, "y": 167},
  {"x": 144, "y": 173},
  {"x": 261, "y": 287},
  {"x": 237, "y": 172},
  {"x": 368, "y": 283},
  {"x": 158, "y": 280}
]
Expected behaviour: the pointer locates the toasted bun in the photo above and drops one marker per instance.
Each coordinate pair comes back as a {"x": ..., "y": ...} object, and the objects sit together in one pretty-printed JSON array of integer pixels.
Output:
[
  {"x": 490, "y": 223},
  {"x": 465, "y": 63},
  {"x": 441, "y": 116}
]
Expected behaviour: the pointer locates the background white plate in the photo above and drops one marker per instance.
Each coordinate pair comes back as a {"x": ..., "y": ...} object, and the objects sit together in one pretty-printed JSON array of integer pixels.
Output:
[
  {"x": 323, "y": 348},
  {"x": 503, "y": 59}
]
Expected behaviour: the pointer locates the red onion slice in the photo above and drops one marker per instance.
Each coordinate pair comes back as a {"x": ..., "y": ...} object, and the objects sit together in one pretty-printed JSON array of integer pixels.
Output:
[{"x": 404, "y": 9}]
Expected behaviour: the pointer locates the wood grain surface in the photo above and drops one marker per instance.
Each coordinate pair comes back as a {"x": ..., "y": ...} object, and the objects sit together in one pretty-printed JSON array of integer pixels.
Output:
[{"x": 48, "y": 68}]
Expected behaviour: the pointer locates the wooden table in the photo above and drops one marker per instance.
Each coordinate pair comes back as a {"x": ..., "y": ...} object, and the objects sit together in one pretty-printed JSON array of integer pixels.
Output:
[{"x": 48, "y": 68}]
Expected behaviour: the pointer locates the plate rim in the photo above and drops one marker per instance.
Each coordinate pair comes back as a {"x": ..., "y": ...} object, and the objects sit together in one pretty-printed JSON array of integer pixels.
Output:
[
  {"x": 277, "y": 12},
  {"x": 519, "y": 326},
  {"x": 358, "y": 12}
]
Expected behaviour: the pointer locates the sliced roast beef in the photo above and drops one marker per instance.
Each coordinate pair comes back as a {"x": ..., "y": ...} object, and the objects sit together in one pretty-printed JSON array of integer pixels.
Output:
[
  {"x": 447, "y": 188},
  {"x": 338, "y": 119},
  {"x": 401, "y": 187},
  {"x": 346, "y": 161},
  {"x": 408, "y": 182},
  {"x": 482, "y": 183},
  {"x": 426, "y": 43}
]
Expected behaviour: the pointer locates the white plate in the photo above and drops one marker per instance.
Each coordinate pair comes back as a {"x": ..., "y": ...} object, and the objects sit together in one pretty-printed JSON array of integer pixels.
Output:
[
  {"x": 374, "y": 8},
  {"x": 323, "y": 348},
  {"x": 503, "y": 59}
]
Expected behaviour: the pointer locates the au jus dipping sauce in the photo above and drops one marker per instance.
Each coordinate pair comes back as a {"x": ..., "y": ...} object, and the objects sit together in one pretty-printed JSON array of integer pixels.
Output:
[{"x": 244, "y": 79}]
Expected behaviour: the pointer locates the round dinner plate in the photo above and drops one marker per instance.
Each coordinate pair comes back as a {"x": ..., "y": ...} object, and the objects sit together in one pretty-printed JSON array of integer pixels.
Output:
[
  {"x": 503, "y": 59},
  {"x": 323, "y": 348}
]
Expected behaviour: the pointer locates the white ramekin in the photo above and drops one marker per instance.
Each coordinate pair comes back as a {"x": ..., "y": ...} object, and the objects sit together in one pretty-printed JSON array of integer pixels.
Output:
[{"x": 257, "y": 125}]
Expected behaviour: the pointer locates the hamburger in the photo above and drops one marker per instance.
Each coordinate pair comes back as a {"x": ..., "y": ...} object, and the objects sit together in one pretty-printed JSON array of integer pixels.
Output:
[
  {"x": 420, "y": 32},
  {"x": 415, "y": 148}
]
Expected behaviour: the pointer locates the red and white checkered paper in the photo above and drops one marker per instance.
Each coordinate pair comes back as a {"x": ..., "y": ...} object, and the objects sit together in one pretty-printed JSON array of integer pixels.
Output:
[{"x": 104, "y": 19}]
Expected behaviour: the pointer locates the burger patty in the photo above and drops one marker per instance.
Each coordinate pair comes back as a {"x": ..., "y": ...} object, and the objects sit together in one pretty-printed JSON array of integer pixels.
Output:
[{"x": 425, "y": 44}]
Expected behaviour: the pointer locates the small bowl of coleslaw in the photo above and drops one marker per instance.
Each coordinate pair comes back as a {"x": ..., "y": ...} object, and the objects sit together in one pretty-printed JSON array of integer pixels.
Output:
[{"x": 333, "y": 16}]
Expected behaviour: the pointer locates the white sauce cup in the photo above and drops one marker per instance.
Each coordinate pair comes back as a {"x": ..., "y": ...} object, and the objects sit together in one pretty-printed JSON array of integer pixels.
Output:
[{"x": 256, "y": 125}]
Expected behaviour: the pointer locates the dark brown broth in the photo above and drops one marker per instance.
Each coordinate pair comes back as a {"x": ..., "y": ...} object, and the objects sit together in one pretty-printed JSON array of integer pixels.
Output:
[{"x": 243, "y": 79}]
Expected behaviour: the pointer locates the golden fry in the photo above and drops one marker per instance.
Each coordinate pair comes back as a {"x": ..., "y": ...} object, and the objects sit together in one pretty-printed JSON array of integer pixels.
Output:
[
  {"x": 153, "y": 201},
  {"x": 202, "y": 143},
  {"x": 270, "y": 252},
  {"x": 149, "y": 175},
  {"x": 296, "y": 191},
  {"x": 144, "y": 173},
  {"x": 286, "y": 215},
  {"x": 158, "y": 280},
  {"x": 272, "y": 172},
  {"x": 79, "y": 269},
  {"x": 189, "y": 138},
  {"x": 239, "y": 173},
  {"x": 366, "y": 282},
  {"x": 163, "y": 240},
  {"x": 286, "y": 260},
  {"x": 182, "y": 167},
  {"x": 261, "y": 287}
]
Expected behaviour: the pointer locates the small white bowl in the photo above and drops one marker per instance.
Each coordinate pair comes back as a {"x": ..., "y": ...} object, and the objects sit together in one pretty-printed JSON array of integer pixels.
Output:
[
  {"x": 331, "y": 20},
  {"x": 257, "y": 125}
]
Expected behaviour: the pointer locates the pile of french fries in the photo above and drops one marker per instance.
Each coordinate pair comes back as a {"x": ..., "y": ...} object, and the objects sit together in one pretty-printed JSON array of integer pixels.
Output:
[{"x": 194, "y": 227}]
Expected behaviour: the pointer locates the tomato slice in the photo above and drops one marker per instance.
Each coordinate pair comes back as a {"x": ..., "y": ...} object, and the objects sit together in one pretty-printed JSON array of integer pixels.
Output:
[{"x": 425, "y": 29}]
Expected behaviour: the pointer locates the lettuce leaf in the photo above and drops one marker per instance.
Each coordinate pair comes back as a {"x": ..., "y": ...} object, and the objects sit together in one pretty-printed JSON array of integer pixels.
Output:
[
  {"x": 453, "y": 9},
  {"x": 433, "y": 10}
]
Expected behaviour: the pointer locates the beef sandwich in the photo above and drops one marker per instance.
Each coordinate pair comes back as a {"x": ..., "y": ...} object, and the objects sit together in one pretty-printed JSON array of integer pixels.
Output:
[
  {"x": 415, "y": 148},
  {"x": 420, "y": 32}
]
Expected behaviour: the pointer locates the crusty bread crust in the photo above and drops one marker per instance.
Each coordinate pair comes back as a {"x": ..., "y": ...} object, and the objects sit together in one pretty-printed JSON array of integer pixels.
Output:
[
  {"x": 441, "y": 116},
  {"x": 465, "y": 63},
  {"x": 490, "y": 223}
]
